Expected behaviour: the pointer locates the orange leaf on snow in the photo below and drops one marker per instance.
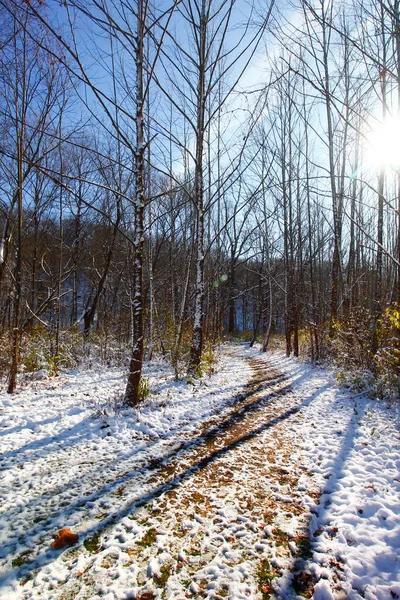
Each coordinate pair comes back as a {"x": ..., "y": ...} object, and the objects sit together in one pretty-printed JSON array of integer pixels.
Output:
[{"x": 65, "y": 537}]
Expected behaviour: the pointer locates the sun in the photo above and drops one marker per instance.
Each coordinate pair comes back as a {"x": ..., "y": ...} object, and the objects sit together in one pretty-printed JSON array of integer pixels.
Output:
[{"x": 383, "y": 144}]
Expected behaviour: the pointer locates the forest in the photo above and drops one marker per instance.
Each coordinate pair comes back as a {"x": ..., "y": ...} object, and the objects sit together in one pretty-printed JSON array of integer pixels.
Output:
[
  {"x": 172, "y": 174},
  {"x": 199, "y": 299}
]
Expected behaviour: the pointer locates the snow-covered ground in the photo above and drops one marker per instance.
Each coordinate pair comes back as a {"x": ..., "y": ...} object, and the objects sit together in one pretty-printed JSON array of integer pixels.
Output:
[
  {"x": 351, "y": 445},
  {"x": 220, "y": 488}
]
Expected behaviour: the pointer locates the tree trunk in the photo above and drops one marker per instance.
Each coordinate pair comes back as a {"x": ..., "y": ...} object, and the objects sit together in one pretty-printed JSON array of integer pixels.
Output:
[
  {"x": 270, "y": 308},
  {"x": 197, "y": 335},
  {"x": 16, "y": 336},
  {"x": 90, "y": 311},
  {"x": 132, "y": 396}
]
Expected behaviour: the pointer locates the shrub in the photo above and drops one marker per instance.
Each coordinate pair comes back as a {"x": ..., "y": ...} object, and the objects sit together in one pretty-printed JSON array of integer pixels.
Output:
[
  {"x": 144, "y": 389},
  {"x": 367, "y": 351},
  {"x": 387, "y": 357},
  {"x": 208, "y": 360},
  {"x": 37, "y": 351},
  {"x": 357, "y": 381},
  {"x": 353, "y": 340}
]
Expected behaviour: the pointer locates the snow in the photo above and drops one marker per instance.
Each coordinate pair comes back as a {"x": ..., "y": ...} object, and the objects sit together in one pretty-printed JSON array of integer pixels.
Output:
[
  {"x": 213, "y": 488},
  {"x": 322, "y": 591}
]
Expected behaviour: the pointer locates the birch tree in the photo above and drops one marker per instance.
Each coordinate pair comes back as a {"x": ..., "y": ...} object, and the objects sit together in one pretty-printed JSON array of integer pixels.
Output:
[
  {"x": 195, "y": 63},
  {"x": 122, "y": 113}
]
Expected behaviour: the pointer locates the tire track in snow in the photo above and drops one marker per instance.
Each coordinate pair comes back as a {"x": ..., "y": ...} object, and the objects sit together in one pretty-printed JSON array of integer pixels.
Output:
[{"x": 220, "y": 518}]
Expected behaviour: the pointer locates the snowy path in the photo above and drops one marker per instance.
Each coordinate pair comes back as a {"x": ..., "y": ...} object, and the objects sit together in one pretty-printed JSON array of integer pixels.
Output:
[{"x": 210, "y": 491}]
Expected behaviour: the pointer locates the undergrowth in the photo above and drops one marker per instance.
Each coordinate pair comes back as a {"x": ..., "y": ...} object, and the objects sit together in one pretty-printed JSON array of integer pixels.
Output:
[
  {"x": 366, "y": 352},
  {"x": 39, "y": 358}
]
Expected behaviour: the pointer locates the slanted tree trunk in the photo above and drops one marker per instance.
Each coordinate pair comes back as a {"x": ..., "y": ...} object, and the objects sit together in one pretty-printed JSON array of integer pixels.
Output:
[
  {"x": 90, "y": 311},
  {"x": 4, "y": 248}
]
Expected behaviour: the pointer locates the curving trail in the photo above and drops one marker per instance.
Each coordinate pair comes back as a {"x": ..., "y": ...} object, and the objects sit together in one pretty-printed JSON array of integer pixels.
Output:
[
  {"x": 219, "y": 510},
  {"x": 235, "y": 522}
]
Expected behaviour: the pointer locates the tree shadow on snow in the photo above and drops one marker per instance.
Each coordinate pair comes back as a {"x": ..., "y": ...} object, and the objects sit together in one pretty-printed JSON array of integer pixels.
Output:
[
  {"x": 160, "y": 467},
  {"x": 302, "y": 581},
  {"x": 41, "y": 448}
]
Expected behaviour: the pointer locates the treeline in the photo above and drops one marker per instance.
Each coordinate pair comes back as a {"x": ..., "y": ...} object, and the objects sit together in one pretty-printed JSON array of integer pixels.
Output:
[{"x": 170, "y": 175}]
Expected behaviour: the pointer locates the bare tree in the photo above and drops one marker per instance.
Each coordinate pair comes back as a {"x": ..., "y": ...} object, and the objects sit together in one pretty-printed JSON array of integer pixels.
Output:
[
  {"x": 195, "y": 78},
  {"x": 34, "y": 90}
]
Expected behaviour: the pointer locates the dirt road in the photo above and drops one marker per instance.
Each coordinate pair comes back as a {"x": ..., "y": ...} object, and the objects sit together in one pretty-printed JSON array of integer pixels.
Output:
[{"x": 227, "y": 519}]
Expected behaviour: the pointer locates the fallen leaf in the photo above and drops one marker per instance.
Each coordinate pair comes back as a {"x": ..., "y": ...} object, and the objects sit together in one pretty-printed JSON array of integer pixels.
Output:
[{"x": 65, "y": 537}]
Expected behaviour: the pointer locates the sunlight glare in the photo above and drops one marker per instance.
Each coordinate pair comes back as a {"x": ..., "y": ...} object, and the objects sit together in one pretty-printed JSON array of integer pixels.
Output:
[{"x": 383, "y": 144}]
